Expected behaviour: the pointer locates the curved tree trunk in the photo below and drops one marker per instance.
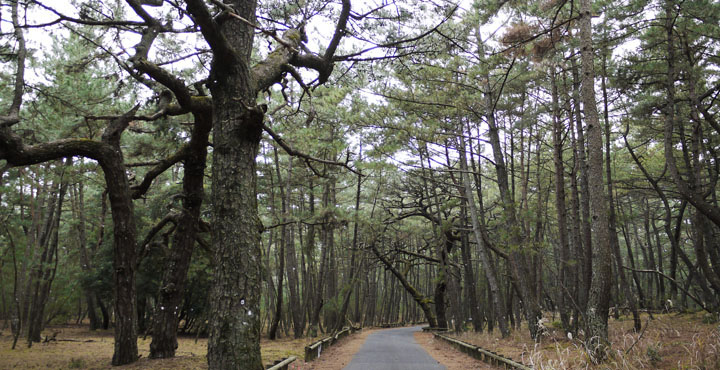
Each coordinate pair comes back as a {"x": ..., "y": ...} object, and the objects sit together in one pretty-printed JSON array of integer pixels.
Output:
[
  {"x": 420, "y": 299},
  {"x": 165, "y": 322}
]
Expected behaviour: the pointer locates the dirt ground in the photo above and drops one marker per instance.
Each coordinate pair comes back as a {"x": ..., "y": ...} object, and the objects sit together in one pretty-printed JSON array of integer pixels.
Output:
[
  {"x": 337, "y": 356},
  {"x": 79, "y": 348},
  {"x": 669, "y": 341},
  {"x": 445, "y": 354}
]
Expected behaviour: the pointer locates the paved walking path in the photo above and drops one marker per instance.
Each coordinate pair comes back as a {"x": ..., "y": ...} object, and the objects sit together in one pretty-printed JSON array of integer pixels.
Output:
[{"x": 393, "y": 349}]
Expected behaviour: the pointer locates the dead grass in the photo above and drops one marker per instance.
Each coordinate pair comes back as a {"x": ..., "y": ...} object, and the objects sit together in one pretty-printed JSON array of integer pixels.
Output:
[
  {"x": 338, "y": 355},
  {"x": 670, "y": 341},
  {"x": 93, "y": 350},
  {"x": 448, "y": 356}
]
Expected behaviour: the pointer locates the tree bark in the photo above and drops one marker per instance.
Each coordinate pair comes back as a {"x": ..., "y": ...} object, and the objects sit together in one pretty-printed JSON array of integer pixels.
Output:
[
  {"x": 630, "y": 296},
  {"x": 296, "y": 309},
  {"x": 172, "y": 288},
  {"x": 108, "y": 153},
  {"x": 488, "y": 267},
  {"x": 564, "y": 255},
  {"x": 78, "y": 210},
  {"x": 46, "y": 269},
  {"x": 518, "y": 255},
  {"x": 585, "y": 247},
  {"x": 599, "y": 297}
]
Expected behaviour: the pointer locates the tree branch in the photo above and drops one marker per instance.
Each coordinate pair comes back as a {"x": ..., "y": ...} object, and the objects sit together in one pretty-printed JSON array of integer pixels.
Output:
[
  {"x": 162, "y": 165},
  {"x": 211, "y": 32},
  {"x": 697, "y": 300},
  {"x": 289, "y": 150}
]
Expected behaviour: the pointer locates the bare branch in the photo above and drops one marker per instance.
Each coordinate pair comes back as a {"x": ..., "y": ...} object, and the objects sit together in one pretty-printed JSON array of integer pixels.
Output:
[
  {"x": 85, "y": 21},
  {"x": 395, "y": 44},
  {"x": 289, "y": 150},
  {"x": 144, "y": 247},
  {"x": 696, "y": 299},
  {"x": 162, "y": 165},
  {"x": 339, "y": 31},
  {"x": 211, "y": 32}
]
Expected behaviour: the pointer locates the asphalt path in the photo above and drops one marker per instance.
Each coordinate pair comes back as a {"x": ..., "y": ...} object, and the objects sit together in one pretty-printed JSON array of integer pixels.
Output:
[{"x": 393, "y": 349}]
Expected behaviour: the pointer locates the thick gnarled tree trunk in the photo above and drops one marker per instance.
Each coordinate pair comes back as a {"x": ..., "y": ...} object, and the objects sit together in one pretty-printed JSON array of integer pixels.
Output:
[{"x": 165, "y": 322}]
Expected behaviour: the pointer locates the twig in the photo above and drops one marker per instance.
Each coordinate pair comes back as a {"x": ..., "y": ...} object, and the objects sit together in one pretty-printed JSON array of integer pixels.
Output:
[
  {"x": 231, "y": 12},
  {"x": 698, "y": 301},
  {"x": 640, "y": 337}
]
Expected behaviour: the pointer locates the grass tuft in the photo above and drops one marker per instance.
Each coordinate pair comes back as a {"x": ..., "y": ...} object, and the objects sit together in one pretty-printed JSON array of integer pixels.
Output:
[{"x": 670, "y": 341}]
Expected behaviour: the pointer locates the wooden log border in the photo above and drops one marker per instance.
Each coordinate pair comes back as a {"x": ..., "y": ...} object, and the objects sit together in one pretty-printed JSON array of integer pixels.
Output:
[
  {"x": 282, "y": 364},
  {"x": 313, "y": 350},
  {"x": 482, "y": 354}
]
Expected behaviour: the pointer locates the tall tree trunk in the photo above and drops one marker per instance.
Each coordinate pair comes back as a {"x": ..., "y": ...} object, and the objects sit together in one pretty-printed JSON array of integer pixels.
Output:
[
  {"x": 172, "y": 288},
  {"x": 585, "y": 221},
  {"x": 234, "y": 313},
  {"x": 598, "y": 306},
  {"x": 564, "y": 255},
  {"x": 234, "y": 297},
  {"x": 47, "y": 269},
  {"x": 614, "y": 241},
  {"x": 277, "y": 316},
  {"x": 518, "y": 255},
  {"x": 295, "y": 309},
  {"x": 124, "y": 256},
  {"x": 39, "y": 257},
  {"x": 576, "y": 221},
  {"x": 352, "y": 280},
  {"x": 441, "y": 284},
  {"x": 78, "y": 211},
  {"x": 331, "y": 271},
  {"x": 488, "y": 267}
]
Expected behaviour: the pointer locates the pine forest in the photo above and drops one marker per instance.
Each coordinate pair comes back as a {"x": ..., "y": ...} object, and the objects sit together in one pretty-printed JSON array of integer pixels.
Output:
[{"x": 217, "y": 184}]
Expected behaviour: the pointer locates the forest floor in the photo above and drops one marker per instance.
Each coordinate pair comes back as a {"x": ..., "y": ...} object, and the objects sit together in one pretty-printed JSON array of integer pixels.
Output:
[
  {"x": 76, "y": 347},
  {"x": 667, "y": 341}
]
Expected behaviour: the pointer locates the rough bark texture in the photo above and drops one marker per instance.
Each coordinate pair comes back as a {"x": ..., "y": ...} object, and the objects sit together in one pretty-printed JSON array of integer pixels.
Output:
[
  {"x": 598, "y": 306},
  {"x": 47, "y": 269},
  {"x": 107, "y": 152},
  {"x": 235, "y": 302},
  {"x": 124, "y": 258},
  {"x": 172, "y": 289},
  {"x": 237, "y": 124}
]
